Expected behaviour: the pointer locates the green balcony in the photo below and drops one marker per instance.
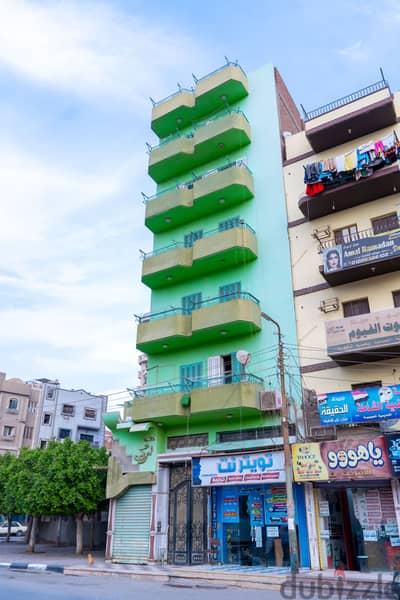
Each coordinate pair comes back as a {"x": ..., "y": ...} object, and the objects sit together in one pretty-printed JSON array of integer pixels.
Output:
[
  {"x": 211, "y": 93},
  {"x": 214, "y": 319},
  {"x": 213, "y": 192},
  {"x": 217, "y": 250},
  {"x": 210, "y": 140},
  {"x": 176, "y": 403}
]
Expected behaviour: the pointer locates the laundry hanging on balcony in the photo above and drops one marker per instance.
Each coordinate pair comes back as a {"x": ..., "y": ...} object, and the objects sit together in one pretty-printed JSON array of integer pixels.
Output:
[{"x": 359, "y": 162}]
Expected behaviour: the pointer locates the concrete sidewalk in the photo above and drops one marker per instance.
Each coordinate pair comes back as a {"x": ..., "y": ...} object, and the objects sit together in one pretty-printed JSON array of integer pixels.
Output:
[{"x": 14, "y": 555}]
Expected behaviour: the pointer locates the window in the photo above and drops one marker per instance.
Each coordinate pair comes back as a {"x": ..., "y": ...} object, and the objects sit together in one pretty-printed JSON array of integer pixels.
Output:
[
  {"x": 385, "y": 223},
  {"x": 28, "y": 432},
  {"x": 253, "y": 434},
  {"x": 50, "y": 394},
  {"x": 355, "y": 307},
  {"x": 43, "y": 444},
  {"x": 229, "y": 224},
  {"x": 231, "y": 367},
  {"x": 68, "y": 410},
  {"x": 191, "y": 237},
  {"x": 396, "y": 298},
  {"x": 187, "y": 441},
  {"x": 86, "y": 437},
  {"x": 191, "y": 375},
  {"x": 32, "y": 407},
  {"x": 191, "y": 302},
  {"x": 64, "y": 433},
  {"x": 46, "y": 419},
  {"x": 13, "y": 404},
  {"x": 90, "y": 413},
  {"x": 8, "y": 431},
  {"x": 346, "y": 234},
  {"x": 230, "y": 291}
]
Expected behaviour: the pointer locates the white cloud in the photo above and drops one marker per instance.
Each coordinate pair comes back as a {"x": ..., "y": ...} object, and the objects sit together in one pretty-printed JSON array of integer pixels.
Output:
[
  {"x": 90, "y": 48},
  {"x": 356, "y": 52}
]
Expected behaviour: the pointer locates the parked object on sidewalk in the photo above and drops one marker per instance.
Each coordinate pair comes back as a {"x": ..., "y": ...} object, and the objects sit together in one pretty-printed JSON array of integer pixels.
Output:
[
  {"x": 90, "y": 559},
  {"x": 16, "y": 528}
]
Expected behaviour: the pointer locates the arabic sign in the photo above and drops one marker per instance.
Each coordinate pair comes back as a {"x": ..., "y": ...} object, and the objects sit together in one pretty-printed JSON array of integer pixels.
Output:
[
  {"x": 341, "y": 460},
  {"x": 371, "y": 330},
  {"x": 256, "y": 510},
  {"x": 359, "y": 406},
  {"x": 275, "y": 505},
  {"x": 230, "y": 508},
  {"x": 238, "y": 469},
  {"x": 393, "y": 448},
  {"x": 361, "y": 252}
]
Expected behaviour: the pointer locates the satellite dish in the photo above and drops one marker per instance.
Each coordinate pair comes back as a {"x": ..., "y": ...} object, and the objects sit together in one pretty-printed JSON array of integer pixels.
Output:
[{"x": 243, "y": 357}]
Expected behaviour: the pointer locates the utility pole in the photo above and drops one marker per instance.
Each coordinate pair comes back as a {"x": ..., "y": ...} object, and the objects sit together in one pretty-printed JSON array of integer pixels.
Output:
[{"x": 294, "y": 567}]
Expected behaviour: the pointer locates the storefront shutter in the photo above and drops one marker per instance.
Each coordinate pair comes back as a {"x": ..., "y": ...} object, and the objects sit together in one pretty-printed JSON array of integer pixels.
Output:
[{"x": 132, "y": 525}]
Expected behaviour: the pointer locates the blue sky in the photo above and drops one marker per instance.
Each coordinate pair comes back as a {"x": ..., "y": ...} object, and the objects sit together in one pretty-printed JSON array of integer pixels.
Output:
[{"x": 75, "y": 77}]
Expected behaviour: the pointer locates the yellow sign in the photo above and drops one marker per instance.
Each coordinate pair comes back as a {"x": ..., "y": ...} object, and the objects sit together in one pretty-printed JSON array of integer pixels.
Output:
[{"x": 307, "y": 463}]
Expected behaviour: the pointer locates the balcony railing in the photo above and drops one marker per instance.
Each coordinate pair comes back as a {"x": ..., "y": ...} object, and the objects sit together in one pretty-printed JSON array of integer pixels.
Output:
[
  {"x": 170, "y": 312},
  {"x": 189, "y": 184},
  {"x": 206, "y": 234},
  {"x": 354, "y": 237},
  {"x": 229, "y": 63},
  {"x": 191, "y": 384},
  {"x": 366, "y": 91},
  {"x": 198, "y": 125}
]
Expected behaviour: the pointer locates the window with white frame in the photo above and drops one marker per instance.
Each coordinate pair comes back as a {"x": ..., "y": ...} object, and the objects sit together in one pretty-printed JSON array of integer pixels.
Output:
[
  {"x": 13, "y": 404},
  {"x": 46, "y": 418},
  {"x": 8, "y": 431},
  {"x": 68, "y": 410},
  {"x": 64, "y": 433},
  {"x": 90, "y": 413}
]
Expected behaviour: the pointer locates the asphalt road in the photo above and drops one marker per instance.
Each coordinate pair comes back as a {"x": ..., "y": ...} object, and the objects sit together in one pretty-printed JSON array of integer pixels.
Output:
[{"x": 51, "y": 586}]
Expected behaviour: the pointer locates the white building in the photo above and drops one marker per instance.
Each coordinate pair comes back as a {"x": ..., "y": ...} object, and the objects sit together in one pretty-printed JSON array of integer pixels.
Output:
[{"x": 75, "y": 414}]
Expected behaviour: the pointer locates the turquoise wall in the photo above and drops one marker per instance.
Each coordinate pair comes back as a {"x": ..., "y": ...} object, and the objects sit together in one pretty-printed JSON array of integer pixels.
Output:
[{"x": 269, "y": 277}]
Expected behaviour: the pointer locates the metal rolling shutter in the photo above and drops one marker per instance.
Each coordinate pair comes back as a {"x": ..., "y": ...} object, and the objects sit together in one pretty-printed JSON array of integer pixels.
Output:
[{"x": 132, "y": 525}]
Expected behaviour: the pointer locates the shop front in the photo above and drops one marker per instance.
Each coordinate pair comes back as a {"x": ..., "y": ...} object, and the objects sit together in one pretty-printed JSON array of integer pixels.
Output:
[
  {"x": 249, "y": 524},
  {"x": 354, "y": 508}
]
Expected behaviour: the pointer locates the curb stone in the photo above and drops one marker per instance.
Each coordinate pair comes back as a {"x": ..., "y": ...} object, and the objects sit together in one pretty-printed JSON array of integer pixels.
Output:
[{"x": 38, "y": 567}]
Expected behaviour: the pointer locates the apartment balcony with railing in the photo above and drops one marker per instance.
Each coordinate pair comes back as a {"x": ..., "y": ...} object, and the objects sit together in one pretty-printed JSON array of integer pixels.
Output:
[
  {"x": 210, "y": 140},
  {"x": 381, "y": 183},
  {"x": 363, "y": 254},
  {"x": 360, "y": 113},
  {"x": 212, "y": 192},
  {"x": 200, "y": 399},
  {"x": 216, "y": 250},
  {"x": 208, "y": 321},
  {"x": 366, "y": 337},
  {"x": 211, "y": 93}
]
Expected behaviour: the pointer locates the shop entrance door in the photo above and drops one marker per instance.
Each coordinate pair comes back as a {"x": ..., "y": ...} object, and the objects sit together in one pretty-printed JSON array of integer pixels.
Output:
[{"x": 187, "y": 531}]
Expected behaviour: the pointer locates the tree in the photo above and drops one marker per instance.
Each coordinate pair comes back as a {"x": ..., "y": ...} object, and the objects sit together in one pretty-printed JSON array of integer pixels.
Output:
[
  {"x": 8, "y": 466},
  {"x": 74, "y": 485}
]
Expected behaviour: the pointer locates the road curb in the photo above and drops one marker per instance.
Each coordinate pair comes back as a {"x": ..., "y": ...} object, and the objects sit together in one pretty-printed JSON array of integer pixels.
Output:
[{"x": 38, "y": 567}]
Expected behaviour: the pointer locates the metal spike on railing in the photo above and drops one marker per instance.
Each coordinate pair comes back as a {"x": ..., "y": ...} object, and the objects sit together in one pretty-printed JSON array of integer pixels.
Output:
[
  {"x": 149, "y": 148},
  {"x": 152, "y": 101},
  {"x": 195, "y": 78}
]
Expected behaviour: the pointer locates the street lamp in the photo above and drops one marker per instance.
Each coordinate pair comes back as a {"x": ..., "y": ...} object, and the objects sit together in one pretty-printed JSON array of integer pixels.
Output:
[{"x": 287, "y": 453}]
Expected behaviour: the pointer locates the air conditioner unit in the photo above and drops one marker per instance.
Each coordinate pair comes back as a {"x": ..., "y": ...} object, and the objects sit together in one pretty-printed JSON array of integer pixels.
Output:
[{"x": 271, "y": 400}]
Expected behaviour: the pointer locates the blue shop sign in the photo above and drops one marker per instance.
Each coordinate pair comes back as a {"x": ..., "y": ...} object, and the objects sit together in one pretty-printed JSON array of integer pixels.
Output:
[
  {"x": 359, "y": 406},
  {"x": 393, "y": 448}
]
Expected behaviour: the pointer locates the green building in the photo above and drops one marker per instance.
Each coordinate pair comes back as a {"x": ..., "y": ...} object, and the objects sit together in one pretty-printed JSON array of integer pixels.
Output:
[{"x": 197, "y": 471}]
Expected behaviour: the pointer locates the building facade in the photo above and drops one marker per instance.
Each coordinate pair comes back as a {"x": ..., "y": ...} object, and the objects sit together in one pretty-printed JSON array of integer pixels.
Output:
[
  {"x": 342, "y": 183},
  {"x": 197, "y": 471},
  {"x": 75, "y": 414},
  {"x": 19, "y": 404}
]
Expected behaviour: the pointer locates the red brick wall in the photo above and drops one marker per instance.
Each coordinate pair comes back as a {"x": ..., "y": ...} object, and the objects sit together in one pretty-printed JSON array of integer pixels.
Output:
[{"x": 289, "y": 116}]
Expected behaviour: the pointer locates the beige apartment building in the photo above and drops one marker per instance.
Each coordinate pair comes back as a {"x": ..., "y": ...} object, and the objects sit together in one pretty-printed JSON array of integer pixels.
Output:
[
  {"x": 342, "y": 184},
  {"x": 19, "y": 409}
]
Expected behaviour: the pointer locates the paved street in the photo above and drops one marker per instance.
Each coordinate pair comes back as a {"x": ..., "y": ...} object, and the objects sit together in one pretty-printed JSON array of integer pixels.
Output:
[{"x": 48, "y": 586}]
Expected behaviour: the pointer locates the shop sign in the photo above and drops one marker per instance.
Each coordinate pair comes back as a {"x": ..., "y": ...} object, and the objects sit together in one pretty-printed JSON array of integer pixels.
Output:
[
  {"x": 341, "y": 460},
  {"x": 393, "y": 448},
  {"x": 237, "y": 469},
  {"x": 366, "y": 331},
  {"x": 230, "y": 508},
  {"x": 324, "y": 508},
  {"x": 359, "y": 406},
  {"x": 275, "y": 505},
  {"x": 361, "y": 252},
  {"x": 256, "y": 510},
  {"x": 273, "y": 532}
]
